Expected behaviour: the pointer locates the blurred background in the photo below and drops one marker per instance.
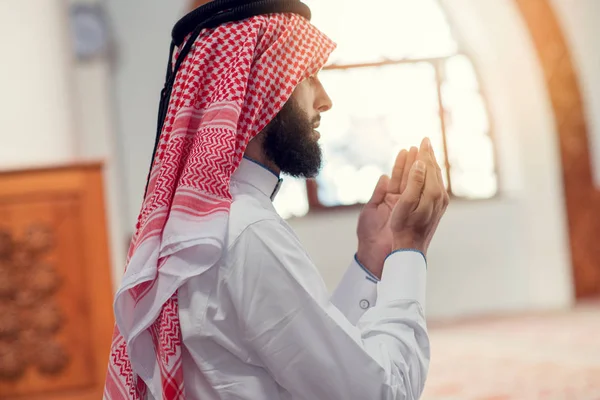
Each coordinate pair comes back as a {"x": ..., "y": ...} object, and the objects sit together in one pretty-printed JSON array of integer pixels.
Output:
[{"x": 508, "y": 91}]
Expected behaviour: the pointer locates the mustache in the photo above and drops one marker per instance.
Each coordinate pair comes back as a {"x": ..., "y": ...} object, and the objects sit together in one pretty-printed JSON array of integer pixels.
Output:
[{"x": 316, "y": 121}]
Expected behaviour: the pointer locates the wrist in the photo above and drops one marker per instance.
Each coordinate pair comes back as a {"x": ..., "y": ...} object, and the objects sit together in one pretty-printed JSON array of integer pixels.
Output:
[
  {"x": 405, "y": 242},
  {"x": 369, "y": 263}
]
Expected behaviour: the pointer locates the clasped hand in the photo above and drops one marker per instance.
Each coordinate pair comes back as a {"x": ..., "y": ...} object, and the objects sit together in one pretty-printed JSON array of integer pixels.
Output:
[{"x": 405, "y": 210}]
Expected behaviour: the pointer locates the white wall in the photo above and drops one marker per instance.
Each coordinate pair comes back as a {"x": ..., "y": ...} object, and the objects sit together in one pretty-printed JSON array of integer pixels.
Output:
[
  {"x": 97, "y": 137},
  {"x": 505, "y": 254},
  {"x": 95, "y": 130},
  {"x": 580, "y": 20},
  {"x": 36, "y": 119}
]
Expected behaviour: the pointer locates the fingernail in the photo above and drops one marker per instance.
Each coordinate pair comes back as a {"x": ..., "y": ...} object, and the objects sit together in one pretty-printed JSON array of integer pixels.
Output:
[
  {"x": 420, "y": 166},
  {"x": 428, "y": 143}
]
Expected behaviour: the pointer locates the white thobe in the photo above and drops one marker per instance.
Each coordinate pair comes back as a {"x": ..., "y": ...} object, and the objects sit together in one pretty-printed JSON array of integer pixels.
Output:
[{"x": 261, "y": 325}]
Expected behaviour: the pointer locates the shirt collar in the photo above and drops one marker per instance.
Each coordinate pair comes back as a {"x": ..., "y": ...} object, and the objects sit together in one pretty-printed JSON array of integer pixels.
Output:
[{"x": 259, "y": 176}]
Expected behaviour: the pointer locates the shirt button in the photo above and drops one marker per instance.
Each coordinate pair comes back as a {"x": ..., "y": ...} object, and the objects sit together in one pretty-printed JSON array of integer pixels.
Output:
[{"x": 364, "y": 304}]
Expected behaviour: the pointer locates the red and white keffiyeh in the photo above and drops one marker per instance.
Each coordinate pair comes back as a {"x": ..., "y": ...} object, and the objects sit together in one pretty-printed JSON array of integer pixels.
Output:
[{"x": 233, "y": 82}]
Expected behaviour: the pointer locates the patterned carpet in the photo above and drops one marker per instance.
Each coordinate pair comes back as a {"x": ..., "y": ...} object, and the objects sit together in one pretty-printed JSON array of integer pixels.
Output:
[{"x": 546, "y": 357}]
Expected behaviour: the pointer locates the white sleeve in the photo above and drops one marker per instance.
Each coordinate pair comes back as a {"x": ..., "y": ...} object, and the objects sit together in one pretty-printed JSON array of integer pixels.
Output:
[
  {"x": 356, "y": 292},
  {"x": 308, "y": 346}
]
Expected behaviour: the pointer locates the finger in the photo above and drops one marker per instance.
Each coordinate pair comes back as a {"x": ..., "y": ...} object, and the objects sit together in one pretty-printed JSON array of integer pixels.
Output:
[
  {"x": 416, "y": 182},
  {"x": 424, "y": 151},
  {"x": 423, "y": 154},
  {"x": 440, "y": 180},
  {"x": 397, "y": 172},
  {"x": 381, "y": 189},
  {"x": 410, "y": 160},
  {"x": 435, "y": 164},
  {"x": 433, "y": 188}
]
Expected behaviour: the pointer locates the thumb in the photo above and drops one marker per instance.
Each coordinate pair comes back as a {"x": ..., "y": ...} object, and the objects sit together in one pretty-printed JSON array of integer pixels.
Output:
[
  {"x": 416, "y": 182},
  {"x": 380, "y": 190}
]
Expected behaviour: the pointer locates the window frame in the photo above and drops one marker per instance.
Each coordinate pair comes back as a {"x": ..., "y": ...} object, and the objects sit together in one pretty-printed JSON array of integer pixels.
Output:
[{"x": 312, "y": 187}]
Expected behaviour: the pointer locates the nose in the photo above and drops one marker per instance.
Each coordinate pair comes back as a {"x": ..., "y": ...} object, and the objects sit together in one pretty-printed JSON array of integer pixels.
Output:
[{"x": 322, "y": 100}]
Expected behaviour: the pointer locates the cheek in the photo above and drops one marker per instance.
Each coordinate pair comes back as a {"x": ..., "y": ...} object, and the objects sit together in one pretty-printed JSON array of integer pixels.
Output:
[
  {"x": 303, "y": 95},
  {"x": 305, "y": 107},
  {"x": 307, "y": 110}
]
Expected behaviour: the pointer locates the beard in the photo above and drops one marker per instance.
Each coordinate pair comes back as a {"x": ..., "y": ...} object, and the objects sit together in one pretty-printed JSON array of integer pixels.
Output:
[{"x": 290, "y": 143}]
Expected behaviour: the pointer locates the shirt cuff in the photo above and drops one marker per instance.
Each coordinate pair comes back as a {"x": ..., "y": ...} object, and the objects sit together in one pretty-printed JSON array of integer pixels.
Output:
[
  {"x": 404, "y": 278},
  {"x": 356, "y": 292},
  {"x": 369, "y": 275}
]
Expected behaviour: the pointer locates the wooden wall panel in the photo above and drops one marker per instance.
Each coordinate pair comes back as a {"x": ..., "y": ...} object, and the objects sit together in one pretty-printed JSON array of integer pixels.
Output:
[
  {"x": 582, "y": 198},
  {"x": 55, "y": 289}
]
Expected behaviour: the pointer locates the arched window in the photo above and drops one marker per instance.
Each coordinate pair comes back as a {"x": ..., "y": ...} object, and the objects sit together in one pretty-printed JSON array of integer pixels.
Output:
[{"x": 397, "y": 75}]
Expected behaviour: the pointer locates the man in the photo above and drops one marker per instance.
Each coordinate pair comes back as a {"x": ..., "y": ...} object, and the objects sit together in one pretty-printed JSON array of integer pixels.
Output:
[{"x": 219, "y": 299}]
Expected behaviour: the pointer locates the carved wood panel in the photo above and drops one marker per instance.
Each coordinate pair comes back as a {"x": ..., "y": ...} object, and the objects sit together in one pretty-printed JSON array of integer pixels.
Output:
[
  {"x": 582, "y": 198},
  {"x": 55, "y": 293},
  {"x": 44, "y": 315}
]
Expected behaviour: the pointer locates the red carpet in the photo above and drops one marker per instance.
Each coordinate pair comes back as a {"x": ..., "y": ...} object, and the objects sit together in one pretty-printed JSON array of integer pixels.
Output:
[{"x": 549, "y": 357}]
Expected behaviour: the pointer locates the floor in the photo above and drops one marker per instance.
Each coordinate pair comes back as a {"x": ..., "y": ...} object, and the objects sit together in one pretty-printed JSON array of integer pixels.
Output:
[{"x": 553, "y": 356}]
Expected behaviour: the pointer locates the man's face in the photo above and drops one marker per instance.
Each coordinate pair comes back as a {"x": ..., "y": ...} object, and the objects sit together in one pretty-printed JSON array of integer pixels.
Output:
[{"x": 291, "y": 139}]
